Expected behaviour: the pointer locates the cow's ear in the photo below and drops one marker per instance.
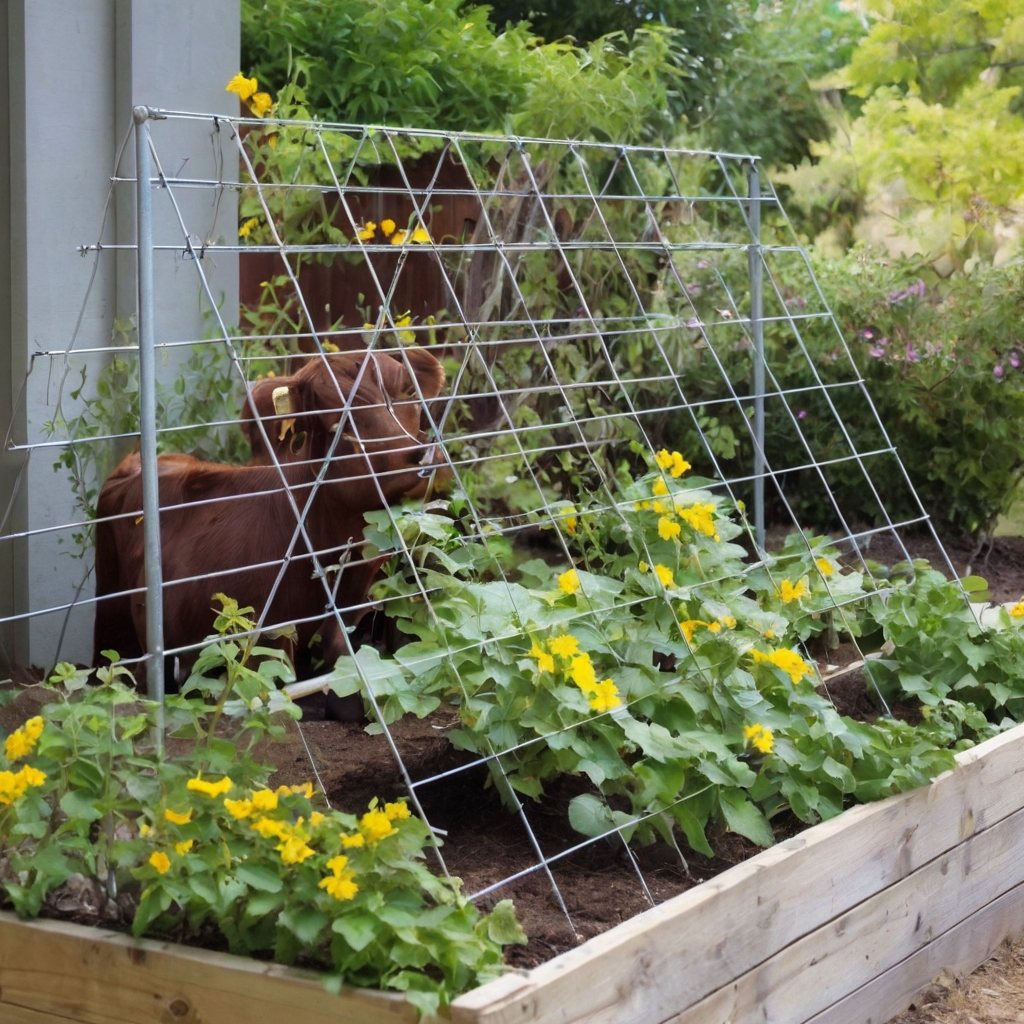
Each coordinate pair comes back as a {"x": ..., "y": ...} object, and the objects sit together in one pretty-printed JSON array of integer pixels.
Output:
[{"x": 429, "y": 373}]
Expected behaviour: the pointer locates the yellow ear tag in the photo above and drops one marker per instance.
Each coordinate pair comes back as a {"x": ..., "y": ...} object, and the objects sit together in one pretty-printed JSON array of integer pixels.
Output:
[{"x": 282, "y": 406}]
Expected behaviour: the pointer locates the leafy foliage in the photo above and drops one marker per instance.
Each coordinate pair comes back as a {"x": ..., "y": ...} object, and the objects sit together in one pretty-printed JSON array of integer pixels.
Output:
[
  {"x": 198, "y": 839},
  {"x": 660, "y": 665}
]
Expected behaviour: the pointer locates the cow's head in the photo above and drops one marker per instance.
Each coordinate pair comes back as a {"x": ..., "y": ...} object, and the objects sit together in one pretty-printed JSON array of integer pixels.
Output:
[{"x": 381, "y": 453}]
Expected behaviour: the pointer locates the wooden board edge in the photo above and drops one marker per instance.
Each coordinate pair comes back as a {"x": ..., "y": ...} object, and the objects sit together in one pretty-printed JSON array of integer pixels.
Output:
[
  {"x": 159, "y": 965},
  {"x": 957, "y": 952},
  {"x": 609, "y": 956}
]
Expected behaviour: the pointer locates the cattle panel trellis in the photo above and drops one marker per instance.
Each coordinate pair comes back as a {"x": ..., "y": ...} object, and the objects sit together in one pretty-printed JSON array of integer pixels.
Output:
[{"x": 601, "y": 311}]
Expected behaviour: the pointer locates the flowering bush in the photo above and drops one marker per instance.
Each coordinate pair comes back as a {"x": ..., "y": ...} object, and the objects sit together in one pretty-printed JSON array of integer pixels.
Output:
[
  {"x": 661, "y": 665},
  {"x": 198, "y": 838}
]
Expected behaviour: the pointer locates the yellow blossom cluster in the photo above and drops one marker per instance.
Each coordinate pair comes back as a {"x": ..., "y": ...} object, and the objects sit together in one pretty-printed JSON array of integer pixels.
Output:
[
  {"x": 23, "y": 741},
  {"x": 789, "y": 661},
  {"x": 759, "y": 738},
  {"x": 246, "y": 90},
  {"x": 569, "y": 582},
  {"x": 690, "y": 626},
  {"x": 701, "y": 518},
  {"x": 1017, "y": 611},
  {"x": 368, "y": 231},
  {"x": 671, "y": 461},
  {"x": 339, "y": 883},
  {"x": 825, "y": 567},
  {"x": 14, "y": 785},
  {"x": 245, "y": 229},
  {"x": 207, "y": 788},
  {"x": 602, "y": 696},
  {"x": 789, "y": 591}
]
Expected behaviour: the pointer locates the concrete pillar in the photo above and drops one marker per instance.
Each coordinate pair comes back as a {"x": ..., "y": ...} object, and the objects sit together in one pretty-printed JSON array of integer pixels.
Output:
[{"x": 72, "y": 70}]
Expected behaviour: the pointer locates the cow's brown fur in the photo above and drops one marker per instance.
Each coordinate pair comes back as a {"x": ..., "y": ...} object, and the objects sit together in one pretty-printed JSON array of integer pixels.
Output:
[{"x": 229, "y": 520}]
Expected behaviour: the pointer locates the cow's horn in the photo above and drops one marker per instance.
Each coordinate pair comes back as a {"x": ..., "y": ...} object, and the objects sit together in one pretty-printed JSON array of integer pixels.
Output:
[{"x": 282, "y": 401}]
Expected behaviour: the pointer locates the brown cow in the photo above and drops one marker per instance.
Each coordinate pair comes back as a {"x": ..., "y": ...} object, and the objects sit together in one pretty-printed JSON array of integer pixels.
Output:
[{"x": 232, "y": 525}]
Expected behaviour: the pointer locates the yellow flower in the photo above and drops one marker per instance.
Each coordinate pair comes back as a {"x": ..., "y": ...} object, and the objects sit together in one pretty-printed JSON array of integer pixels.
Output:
[
  {"x": 353, "y": 841},
  {"x": 245, "y": 228},
  {"x": 178, "y": 819},
  {"x": 408, "y": 337},
  {"x": 294, "y": 851},
  {"x": 701, "y": 519},
  {"x": 264, "y": 800},
  {"x": 239, "y": 808},
  {"x": 397, "y": 811},
  {"x": 268, "y": 827},
  {"x": 569, "y": 582},
  {"x": 643, "y": 567},
  {"x": 570, "y": 524},
  {"x": 565, "y": 646},
  {"x": 1017, "y": 611},
  {"x": 241, "y": 85},
  {"x": 759, "y": 737},
  {"x": 398, "y": 237},
  {"x": 420, "y": 236},
  {"x": 672, "y": 461},
  {"x": 376, "y": 825},
  {"x": 260, "y": 103},
  {"x": 689, "y": 627},
  {"x": 660, "y": 487},
  {"x": 329, "y": 346},
  {"x": 667, "y": 530},
  {"x": 791, "y": 592},
  {"x": 366, "y": 232},
  {"x": 32, "y": 776},
  {"x": 661, "y": 509},
  {"x": 316, "y": 819},
  {"x": 387, "y": 226},
  {"x": 789, "y": 661},
  {"x": 825, "y": 567},
  {"x": 22, "y": 741},
  {"x": 11, "y": 787},
  {"x": 605, "y": 696},
  {"x": 305, "y": 789},
  {"x": 545, "y": 663},
  {"x": 728, "y": 621},
  {"x": 340, "y": 887},
  {"x": 160, "y": 861},
  {"x": 582, "y": 672},
  {"x": 183, "y": 847},
  {"x": 207, "y": 788},
  {"x": 664, "y": 573},
  {"x": 336, "y": 865},
  {"x": 715, "y": 627}
]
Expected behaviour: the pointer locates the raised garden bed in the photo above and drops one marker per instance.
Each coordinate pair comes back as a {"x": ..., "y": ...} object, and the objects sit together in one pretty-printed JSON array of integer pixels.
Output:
[{"x": 845, "y": 922}]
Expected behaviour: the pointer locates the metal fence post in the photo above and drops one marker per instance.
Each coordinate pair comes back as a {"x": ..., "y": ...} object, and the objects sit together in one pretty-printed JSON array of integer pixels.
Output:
[
  {"x": 147, "y": 419},
  {"x": 755, "y": 268}
]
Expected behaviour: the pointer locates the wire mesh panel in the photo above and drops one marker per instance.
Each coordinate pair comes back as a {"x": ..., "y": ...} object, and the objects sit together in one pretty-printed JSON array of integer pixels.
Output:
[{"x": 509, "y": 433}]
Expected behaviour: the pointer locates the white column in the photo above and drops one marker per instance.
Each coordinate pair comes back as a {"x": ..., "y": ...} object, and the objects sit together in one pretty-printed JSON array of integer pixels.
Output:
[{"x": 74, "y": 69}]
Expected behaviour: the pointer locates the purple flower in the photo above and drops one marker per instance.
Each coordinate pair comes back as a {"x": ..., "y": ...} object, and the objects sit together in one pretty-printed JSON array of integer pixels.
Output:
[
  {"x": 912, "y": 356},
  {"x": 802, "y": 414},
  {"x": 868, "y": 334},
  {"x": 1015, "y": 360},
  {"x": 997, "y": 371},
  {"x": 876, "y": 352}
]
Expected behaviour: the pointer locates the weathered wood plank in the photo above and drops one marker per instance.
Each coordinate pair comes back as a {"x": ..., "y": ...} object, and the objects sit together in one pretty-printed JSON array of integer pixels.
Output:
[
  {"x": 823, "y": 967},
  {"x": 674, "y": 955},
  {"x": 65, "y": 970},
  {"x": 958, "y": 951}
]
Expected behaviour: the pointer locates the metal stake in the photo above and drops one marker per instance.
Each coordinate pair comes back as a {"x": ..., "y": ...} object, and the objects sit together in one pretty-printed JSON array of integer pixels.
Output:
[
  {"x": 147, "y": 422},
  {"x": 755, "y": 268}
]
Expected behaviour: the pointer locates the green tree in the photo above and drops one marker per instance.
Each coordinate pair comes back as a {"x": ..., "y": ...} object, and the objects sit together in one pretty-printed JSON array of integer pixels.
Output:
[{"x": 937, "y": 148}]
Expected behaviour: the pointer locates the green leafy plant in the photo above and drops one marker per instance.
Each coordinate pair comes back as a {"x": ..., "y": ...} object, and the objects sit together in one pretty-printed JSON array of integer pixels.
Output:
[
  {"x": 196, "y": 838},
  {"x": 660, "y": 665}
]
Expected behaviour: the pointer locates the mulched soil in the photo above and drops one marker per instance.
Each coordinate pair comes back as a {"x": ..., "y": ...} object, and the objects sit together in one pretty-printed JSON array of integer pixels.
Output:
[{"x": 601, "y": 884}]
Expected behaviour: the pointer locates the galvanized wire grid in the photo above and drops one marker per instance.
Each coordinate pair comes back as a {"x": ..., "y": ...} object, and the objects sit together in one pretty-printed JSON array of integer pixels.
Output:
[{"x": 606, "y": 273}]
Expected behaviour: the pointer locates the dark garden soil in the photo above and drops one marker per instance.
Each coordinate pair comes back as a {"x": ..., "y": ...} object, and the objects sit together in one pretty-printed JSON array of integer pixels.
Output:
[{"x": 601, "y": 884}]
